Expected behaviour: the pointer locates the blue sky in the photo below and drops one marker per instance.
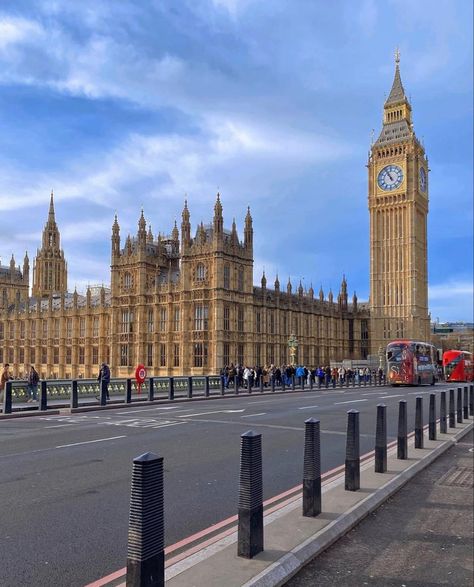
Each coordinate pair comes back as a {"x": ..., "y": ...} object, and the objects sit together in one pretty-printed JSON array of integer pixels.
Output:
[{"x": 119, "y": 105}]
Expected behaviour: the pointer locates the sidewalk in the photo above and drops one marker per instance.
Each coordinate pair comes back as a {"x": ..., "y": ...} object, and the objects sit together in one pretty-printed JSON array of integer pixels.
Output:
[
  {"x": 419, "y": 514},
  {"x": 420, "y": 537}
]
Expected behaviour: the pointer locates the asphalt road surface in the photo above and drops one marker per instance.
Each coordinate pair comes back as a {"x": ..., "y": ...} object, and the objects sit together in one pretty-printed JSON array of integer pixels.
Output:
[{"x": 65, "y": 480}]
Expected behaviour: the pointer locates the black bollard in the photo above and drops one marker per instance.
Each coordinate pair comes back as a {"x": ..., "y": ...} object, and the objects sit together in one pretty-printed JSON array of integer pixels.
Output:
[
  {"x": 261, "y": 384},
  {"x": 236, "y": 385},
  {"x": 151, "y": 389},
  {"x": 43, "y": 396},
  {"x": 432, "y": 417},
  {"x": 352, "y": 472},
  {"x": 190, "y": 387},
  {"x": 128, "y": 391},
  {"x": 311, "y": 382},
  {"x": 381, "y": 440},
  {"x": 459, "y": 406},
  {"x": 272, "y": 383},
  {"x": 402, "y": 439},
  {"x": 74, "y": 396},
  {"x": 443, "y": 423},
  {"x": 419, "y": 439},
  {"x": 302, "y": 383},
  {"x": 250, "y": 526},
  {"x": 471, "y": 400},
  {"x": 312, "y": 469},
  {"x": 283, "y": 382},
  {"x": 293, "y": 383},
  {"x": 146, "y": 531},
  {"x": 171, "y": 388},
  {"x": 327, "y": 381},
  {"x": 206, "y": 386},
  {"x": 7, "y": 398},
  {"x": 452, "y": 410},
  {"x": 465, "y": 406}
]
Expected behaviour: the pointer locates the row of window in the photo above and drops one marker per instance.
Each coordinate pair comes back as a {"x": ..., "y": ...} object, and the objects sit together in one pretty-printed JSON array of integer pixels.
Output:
[
  {"x": 28, "y": 328},
  {"x": 42, "y": 356}
]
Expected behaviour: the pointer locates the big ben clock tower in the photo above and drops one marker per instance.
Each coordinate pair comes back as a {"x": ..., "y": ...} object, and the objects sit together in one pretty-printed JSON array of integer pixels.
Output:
[{"x": 398, "y": 206}]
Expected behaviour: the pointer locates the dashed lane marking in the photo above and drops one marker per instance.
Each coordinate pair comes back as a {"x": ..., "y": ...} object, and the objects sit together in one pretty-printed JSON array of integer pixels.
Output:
[
  {"x": 352, "y": 401},
  {"x": 89, "y": 441},
  {"x": 389, "y": 396},
  {"x": 252, "y": 415},
  {"x": 307, "y": 407},
  {"x": 58, "y": 426}
]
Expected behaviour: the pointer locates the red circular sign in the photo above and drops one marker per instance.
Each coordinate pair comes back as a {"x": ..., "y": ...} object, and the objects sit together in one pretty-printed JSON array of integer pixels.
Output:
[{"x": 140, "y": 374}]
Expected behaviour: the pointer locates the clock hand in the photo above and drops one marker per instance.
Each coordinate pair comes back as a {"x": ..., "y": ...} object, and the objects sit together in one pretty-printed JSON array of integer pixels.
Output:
[{"x": 390, "y": 175}]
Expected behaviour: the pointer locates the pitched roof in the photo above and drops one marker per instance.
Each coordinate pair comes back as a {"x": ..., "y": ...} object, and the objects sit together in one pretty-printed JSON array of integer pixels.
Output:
[{"x": 397, "y": 93}]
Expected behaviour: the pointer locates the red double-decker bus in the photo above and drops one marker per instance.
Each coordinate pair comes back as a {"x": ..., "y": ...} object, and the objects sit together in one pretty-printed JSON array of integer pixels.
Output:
[
  {"x": 411, "y": 362},
  {"x": 458, "y": 366}
]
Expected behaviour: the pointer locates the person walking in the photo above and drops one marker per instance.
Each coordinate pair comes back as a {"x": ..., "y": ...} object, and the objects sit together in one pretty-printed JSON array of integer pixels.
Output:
[
  {"x": 32, "y": 387},
  {"x": 3, "y": 380},
  {"x": 104, "y": 378}
]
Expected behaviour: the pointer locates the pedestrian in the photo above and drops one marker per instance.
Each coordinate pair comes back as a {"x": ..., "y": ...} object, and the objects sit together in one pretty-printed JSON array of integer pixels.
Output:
[
  {"x": 104, "y": 379},
  {"x": 32, "y": 387},
  {"x": 3, "y": 380}
]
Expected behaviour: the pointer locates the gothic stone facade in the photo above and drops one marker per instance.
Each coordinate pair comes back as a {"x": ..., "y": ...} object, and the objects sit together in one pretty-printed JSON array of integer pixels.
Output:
[
  {"x": 185, "y": 304},
  {"x": 176, "y": 304}
]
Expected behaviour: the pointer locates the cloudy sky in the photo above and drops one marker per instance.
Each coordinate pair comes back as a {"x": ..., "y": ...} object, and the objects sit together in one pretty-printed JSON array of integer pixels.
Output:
[{"x": 123, "y": 104}]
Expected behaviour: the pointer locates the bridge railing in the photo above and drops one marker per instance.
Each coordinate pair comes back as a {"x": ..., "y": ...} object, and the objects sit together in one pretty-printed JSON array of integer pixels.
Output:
[{"x": 57, "y": 393}]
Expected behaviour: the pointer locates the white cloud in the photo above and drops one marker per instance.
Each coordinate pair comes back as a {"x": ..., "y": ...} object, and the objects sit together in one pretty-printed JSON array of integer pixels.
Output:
[{"x": 16, "y": 30}]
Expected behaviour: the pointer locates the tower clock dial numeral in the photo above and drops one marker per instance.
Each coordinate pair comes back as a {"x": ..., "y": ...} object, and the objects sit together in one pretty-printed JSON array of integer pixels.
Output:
[
  {"x": 390, "y": 177},
  {"x": 422, "y": 179}
]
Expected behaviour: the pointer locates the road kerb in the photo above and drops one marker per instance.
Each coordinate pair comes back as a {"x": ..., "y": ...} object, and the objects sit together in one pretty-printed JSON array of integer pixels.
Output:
[{"x": 215, "y": 567}]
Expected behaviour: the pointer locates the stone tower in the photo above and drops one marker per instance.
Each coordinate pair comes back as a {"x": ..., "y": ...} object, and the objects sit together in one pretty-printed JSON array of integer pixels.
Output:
[
  {"x": 398, "y": 206},
  {"x": 49, "y": 267}
]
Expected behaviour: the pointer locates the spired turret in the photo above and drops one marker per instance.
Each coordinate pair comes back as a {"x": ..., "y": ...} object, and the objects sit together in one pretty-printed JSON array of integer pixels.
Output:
[
  {"x": 218, "y": 221},
  {"x": 248, "y": 232},
  {"x": 49, "y": 267},
  {"x": 277, "y": 284},
  {"x": 185, "y": 227}
]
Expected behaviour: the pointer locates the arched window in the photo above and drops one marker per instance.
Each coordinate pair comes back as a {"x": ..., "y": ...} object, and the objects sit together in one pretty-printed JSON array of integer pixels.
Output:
[
  {"x": 200, "y": 272},
  {"x": 127, "y": 281},
  {"x": 226, "y": 277}
]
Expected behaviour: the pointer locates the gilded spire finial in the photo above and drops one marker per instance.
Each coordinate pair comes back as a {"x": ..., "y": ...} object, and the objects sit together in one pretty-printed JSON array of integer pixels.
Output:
[{"x": 397, "y": 55}]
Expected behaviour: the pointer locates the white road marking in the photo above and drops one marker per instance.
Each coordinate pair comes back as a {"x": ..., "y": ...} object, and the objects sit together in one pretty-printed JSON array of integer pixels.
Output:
[
  {"x": 215, "y": 412},
  {"x": 89, "y": 441},
  {"x": 417, "y": 392},
  {"x": 307, "y": 407},
  {"x": 59, "y": 425},
  {"x": 251, "y": 415},
  {"x": 352, "y": 401},
  {"x": 387, "y": 396},
  {"x": 152, "y": 409}
]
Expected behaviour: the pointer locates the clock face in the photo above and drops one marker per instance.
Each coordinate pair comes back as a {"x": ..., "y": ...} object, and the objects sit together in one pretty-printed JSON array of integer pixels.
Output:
[
  {"x": 422, "y": 179},
  {"x": 390, "y": 177}
]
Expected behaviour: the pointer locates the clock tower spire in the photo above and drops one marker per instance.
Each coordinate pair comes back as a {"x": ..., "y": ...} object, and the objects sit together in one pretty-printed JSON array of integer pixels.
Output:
[{"x": 398, "y": 207}]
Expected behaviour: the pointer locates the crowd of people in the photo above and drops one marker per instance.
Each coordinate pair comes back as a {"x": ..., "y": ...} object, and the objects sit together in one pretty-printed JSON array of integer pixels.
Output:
[{"x": 249, "y": 377}]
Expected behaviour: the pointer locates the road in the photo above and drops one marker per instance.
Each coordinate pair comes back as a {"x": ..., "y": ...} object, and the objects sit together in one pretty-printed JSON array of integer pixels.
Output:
[{"x": 65, "y": 480}]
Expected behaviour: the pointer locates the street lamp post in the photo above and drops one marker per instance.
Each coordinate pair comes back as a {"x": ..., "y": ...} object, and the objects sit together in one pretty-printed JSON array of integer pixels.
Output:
[{"x": 292, "y": 346}]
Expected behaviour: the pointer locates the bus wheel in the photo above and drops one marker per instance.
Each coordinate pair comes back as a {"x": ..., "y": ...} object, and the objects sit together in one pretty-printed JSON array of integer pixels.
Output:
[{"x": 433, "y": 382}]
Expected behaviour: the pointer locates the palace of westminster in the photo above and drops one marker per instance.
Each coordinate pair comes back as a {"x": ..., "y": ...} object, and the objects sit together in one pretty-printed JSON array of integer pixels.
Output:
[{"x": 186, "y": 303}]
